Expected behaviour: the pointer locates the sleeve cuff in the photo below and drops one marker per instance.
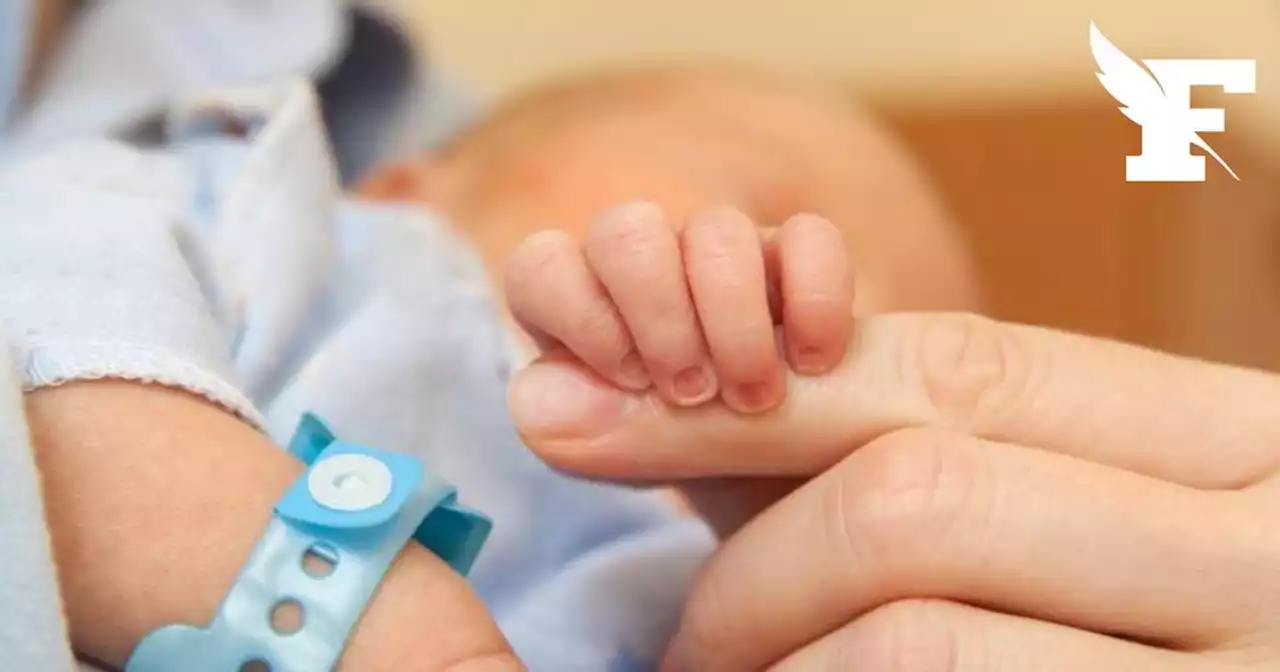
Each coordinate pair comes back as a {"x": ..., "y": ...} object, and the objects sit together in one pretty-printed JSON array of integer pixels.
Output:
[
  {"x": 52, "y": 363},
  {"x": 100, "y": 279}
]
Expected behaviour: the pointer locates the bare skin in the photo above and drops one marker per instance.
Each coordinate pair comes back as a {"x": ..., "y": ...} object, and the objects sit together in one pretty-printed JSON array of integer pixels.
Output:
[{"x": 154, "y": 498}]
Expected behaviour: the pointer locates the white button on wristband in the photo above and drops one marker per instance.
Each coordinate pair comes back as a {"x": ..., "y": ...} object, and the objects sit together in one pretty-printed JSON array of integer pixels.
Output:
[{"x": 349, "y": 482}]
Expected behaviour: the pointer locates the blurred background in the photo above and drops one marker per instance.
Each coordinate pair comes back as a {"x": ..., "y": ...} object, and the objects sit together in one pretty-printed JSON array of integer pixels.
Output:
[{"x": 999, "y": 100}]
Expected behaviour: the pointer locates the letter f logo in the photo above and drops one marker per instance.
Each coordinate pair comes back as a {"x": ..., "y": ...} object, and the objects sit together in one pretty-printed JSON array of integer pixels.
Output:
[{"x": 1161, "y": 105}]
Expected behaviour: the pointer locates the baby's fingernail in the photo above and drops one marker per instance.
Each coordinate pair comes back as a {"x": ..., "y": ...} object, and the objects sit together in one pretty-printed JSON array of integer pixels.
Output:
[
  {"x": 559, "y": 400},
  {"x": 751, "y": 397},
  {"x": 808, "y": 359},
  {"x": 632, "y": 372},
  {"x": 693, "y": 385}
]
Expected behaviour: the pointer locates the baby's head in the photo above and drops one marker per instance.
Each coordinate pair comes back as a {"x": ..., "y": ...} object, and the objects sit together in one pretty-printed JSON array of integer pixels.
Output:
[{"x": 687, "y": 139}]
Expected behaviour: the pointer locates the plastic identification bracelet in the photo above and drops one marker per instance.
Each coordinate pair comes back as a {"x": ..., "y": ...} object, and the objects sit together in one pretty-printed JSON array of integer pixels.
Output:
[{"x": 334, "y": 534}]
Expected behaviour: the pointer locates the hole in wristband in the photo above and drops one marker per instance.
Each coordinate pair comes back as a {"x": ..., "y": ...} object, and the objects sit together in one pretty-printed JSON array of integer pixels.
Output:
[
  {"x": 319, "y": 561},
  {"x": 286, "y": 616},
  {"x": 256, "y": 665}
]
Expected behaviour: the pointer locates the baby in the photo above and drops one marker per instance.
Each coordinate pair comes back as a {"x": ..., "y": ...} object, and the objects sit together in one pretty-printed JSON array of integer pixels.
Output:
[
  {"x": 227, "y": 266},
  {"x": 682, "y": 292}
]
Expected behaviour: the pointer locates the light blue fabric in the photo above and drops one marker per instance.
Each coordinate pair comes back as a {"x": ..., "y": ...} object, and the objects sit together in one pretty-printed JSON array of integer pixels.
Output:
[
  {"x": 124, "y": 60},
  {"x": 235, "y": 268},
  {"x": 32, "y": 633},
  {"x": 121, "y": 61}
]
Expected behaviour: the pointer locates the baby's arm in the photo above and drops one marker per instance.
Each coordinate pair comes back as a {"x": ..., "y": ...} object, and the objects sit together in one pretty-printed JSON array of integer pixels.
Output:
[
  {"x": 155, "y": 498},
  {"x": 691, "y": 310}
]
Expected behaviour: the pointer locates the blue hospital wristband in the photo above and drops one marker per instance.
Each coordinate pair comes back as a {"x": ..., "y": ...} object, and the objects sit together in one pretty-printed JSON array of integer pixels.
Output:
[{"x": 334, "y": 534}]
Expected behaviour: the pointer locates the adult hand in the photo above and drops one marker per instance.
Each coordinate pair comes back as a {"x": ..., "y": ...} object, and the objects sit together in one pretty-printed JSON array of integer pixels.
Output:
[{"x": 973, "y": 496}]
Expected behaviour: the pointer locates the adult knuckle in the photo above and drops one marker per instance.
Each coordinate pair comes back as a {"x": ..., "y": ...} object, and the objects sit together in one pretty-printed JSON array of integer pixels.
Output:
[
  {"x": 1246, "y": 553},
  {"x": 974, "y": 370},
  {"x": 902, "y": 493},
  {"x": 905, "y": 636}
]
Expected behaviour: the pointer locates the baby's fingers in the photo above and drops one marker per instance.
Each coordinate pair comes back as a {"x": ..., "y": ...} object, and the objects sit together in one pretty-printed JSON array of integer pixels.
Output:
[
  {"x": 726, "y": 272},
  {"x": 816, "y": 287},
  {"x": 636, "y": 255},
  {"x": 554, "y": 294}
]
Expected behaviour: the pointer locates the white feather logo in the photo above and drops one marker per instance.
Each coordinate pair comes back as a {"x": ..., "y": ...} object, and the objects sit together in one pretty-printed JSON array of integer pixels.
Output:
[{"x": 1137, "y": 90}]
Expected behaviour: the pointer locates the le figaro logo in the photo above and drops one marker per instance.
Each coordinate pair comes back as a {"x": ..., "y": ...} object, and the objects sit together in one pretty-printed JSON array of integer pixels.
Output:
[{"x": 1158, "y": 98}]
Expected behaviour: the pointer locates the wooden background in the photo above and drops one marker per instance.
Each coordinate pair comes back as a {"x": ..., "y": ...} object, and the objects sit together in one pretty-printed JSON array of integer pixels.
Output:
[{"x": 1063, "y": 240}]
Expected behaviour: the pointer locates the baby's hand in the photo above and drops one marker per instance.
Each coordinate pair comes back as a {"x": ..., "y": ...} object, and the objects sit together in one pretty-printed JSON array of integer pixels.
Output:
[{"x": 691, "y": 311}]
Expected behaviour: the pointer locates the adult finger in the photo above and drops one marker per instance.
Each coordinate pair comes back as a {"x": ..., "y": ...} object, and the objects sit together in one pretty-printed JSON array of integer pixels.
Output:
[
  {"x": 1187, "y": 421},
  {"x": 935, "y": 635},
  {"x": 921, "y": 513}
]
